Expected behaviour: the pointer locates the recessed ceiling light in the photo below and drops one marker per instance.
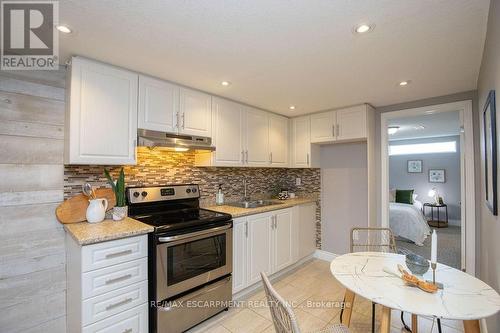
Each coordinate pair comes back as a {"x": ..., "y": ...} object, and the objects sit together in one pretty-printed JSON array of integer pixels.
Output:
[
  {"x": 404, "y": 83},
  {"x": 392, "y": 130},
  {"x": 225, "y": 83},
  {"x": 63, "y": 28},
  {"x": 363, "y": 28},
  {"x": 292, "y": 107}
]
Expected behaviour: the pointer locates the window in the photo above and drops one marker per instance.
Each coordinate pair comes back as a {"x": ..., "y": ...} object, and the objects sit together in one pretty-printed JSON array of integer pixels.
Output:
[{"x": 423, "y": 148}]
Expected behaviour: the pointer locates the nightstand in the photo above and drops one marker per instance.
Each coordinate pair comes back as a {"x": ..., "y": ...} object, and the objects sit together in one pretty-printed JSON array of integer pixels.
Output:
[{"x": 438, "y": 223}]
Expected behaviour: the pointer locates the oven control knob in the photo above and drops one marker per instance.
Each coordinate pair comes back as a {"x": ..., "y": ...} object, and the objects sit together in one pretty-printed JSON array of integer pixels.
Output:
[
  {"x": 188, "y": 190},
  {"x": 195, "y": 190},
  {"x": 144, "y": 194},
  {"x": 136, "y": 194}
]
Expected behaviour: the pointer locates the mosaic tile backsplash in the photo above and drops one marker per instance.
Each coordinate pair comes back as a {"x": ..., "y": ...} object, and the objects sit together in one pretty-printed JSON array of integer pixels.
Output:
[{"x": 157, "y": 167}]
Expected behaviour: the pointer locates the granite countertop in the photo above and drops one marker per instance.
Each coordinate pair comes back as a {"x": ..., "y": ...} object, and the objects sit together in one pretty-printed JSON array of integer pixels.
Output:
[
  {"x": 280, "y": 204},
  {"x": 85, "y": 233}
]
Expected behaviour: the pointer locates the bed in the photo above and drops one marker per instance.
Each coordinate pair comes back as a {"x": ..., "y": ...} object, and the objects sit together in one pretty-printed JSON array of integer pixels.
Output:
[{"x": 407, "y": 221}]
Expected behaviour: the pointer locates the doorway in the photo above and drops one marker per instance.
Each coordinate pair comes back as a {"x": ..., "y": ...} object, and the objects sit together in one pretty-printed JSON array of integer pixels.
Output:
[{"x": 436, "y": 145}]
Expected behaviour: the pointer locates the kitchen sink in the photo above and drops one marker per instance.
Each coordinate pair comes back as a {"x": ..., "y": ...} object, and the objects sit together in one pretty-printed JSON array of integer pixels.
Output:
[{"x": 253, "y": 203}]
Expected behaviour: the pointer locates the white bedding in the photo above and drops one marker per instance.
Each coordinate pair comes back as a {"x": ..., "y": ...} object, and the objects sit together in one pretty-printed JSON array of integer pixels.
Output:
[{"x": 407, "y": 221}]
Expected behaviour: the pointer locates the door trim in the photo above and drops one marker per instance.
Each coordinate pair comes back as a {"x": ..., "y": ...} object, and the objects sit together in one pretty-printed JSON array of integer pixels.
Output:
[{"x": 468, "y": 208}]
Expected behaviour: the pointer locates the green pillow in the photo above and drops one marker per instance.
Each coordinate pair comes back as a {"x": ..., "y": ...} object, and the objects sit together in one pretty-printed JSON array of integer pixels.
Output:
[{"x": 404, "y": 196}]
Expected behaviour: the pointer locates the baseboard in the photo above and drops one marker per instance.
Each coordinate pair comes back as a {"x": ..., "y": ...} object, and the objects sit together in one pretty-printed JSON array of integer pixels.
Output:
[{"x": 324, "y": 255}]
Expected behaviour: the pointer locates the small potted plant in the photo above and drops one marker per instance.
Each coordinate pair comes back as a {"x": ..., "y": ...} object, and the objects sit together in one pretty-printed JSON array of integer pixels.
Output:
[{"x": 120, "y": 211}]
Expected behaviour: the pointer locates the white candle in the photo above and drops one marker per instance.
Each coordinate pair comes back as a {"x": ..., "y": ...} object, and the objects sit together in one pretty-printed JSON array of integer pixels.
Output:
[{"x": 434, "y": 247}]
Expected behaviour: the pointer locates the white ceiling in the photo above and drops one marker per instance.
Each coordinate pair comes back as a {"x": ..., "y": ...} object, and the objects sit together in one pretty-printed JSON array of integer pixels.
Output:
[
  {"x": 435, "y": 125},
  {"x": 282, "y": 52}
]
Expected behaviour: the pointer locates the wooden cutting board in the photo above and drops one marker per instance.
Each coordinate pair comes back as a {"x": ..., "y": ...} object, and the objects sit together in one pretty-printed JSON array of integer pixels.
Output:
[{"x": 74, "y": 209}]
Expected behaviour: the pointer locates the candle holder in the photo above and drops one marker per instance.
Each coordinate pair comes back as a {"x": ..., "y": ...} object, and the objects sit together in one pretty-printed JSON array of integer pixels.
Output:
[{"x": 433, "y": 266}]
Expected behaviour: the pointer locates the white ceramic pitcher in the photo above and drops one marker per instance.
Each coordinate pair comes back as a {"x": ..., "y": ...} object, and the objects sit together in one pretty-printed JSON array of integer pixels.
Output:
[{"x": 96, "y": 210}]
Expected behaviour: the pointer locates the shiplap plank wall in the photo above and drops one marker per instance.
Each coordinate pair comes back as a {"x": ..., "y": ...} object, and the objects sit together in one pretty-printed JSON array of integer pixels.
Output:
[{"x": 32, "y": 251}]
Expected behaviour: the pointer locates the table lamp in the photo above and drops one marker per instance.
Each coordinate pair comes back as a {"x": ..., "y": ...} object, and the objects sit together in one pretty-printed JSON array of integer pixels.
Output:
[{"x": 433, "y": 193}]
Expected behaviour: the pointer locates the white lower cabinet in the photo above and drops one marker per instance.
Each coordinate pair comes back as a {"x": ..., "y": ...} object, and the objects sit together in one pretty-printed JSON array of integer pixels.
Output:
[
  {"x": 130, "y": 321},
  {"x": 107, "y": 286},
  {"x": 240, "y": 234},
  {"x": 306, "y": 229},
  {"x": 268, "y": 242},
  {"x": 283, "y": 239},
  {"x": 260, "y": 247}
]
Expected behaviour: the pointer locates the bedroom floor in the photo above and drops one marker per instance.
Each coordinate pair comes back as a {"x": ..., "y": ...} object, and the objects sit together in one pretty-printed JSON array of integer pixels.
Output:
[{"x": 449, "y": 246}]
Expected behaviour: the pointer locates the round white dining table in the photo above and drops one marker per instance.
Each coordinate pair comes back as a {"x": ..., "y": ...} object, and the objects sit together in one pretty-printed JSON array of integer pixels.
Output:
[{"x": 463, "y": 296}]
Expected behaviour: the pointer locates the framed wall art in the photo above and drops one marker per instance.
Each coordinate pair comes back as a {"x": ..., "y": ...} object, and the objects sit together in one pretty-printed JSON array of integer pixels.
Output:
[
  {"x": 490, "y": 152},
  {"x": 437, "y": 176},
  {"x": 414, "y": 166}
]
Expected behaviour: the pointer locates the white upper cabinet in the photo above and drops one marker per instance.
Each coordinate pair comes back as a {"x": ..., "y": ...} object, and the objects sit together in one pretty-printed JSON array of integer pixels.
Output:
[
  {"x": 256, "y": 131},
  {"x": 278, "y": 140},
  {"x": 167, "y": 107},
  {"x": 351, "y": 123},
  {"x": 101, "y": 116},
  {"x": 195, "y": 113},
  {"x": 227, "y": 134},
  {"x": 301, "y": 142},
  {"x": 158, "y": 105},
  {"x": 245, "y": 136},
  {"x": 323, "y": 127}
]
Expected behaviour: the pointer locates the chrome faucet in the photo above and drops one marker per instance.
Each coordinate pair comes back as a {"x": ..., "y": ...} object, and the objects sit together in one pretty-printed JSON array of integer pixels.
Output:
[{"x": 245, "y": 197}]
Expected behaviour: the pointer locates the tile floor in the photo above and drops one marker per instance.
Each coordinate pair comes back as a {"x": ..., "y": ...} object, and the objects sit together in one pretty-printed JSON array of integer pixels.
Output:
[{"x": 315, "y": 295}]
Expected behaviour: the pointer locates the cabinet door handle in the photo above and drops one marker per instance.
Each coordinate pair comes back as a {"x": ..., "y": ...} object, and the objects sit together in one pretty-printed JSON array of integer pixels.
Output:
[
  {"x": 112, "y": 306},
  {"x": 183, "y": 119},
  {"x": 333, "y": 130},
  {"x": 128, "y": 330},
  {"x": 246, "y": 152},
  {"x": 118, "y": 254},
  {"x": 338, "y": 129},
  {"x": 118, "y": 279},
  {"x": 246, "y": 229},
  {"x": 307, "y": 158},
  {"x": 242, "y": 156},
  {"x": 177, "y": 121},
  {"x": 271, "y": 157}
]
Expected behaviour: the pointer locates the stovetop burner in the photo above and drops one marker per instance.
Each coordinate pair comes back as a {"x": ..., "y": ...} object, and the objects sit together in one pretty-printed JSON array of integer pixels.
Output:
[
  {"x": 180, "y": 219},
  {"x": 172, "y": 208}
]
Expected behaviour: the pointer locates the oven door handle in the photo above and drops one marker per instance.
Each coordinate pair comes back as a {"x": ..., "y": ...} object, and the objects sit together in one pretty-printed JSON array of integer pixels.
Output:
[{"x": 193, "y": 234}]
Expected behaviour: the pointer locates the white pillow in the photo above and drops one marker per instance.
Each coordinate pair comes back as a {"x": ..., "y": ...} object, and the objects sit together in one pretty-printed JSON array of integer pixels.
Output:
[
  {"x": 392, "y": 195},
  {"x": 415, "y": 196}
]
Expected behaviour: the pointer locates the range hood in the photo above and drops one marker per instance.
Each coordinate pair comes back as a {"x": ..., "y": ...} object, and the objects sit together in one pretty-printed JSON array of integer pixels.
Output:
[{"x": 176, "y": 142}]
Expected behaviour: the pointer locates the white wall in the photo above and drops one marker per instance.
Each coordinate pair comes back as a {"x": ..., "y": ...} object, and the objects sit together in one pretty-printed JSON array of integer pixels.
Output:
[
  {"x": 344, "y": 194},
  {"x": 489, "y": 225}
]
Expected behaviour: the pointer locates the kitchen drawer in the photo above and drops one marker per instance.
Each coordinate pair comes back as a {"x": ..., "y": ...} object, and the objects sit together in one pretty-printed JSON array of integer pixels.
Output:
[
  {"x": 106, "y": 279},
  {"x": 131, "y": 321},
  {"x": 116, "y": 301},
  {"x": 113, "y": 252}
]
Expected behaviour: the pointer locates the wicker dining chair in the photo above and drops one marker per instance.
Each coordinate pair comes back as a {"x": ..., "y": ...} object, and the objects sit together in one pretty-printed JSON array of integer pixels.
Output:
[
  {"x": 284, "y": 319},
  {"x": 372, "y": 240}
]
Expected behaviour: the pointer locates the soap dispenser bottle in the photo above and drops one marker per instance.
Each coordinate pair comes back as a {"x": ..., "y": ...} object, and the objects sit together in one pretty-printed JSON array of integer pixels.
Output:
[{"x": 219, "y": 197}]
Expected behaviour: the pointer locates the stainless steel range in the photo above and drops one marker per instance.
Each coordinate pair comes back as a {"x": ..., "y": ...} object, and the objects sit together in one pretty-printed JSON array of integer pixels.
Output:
[{"x": 190, "y": 256}]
